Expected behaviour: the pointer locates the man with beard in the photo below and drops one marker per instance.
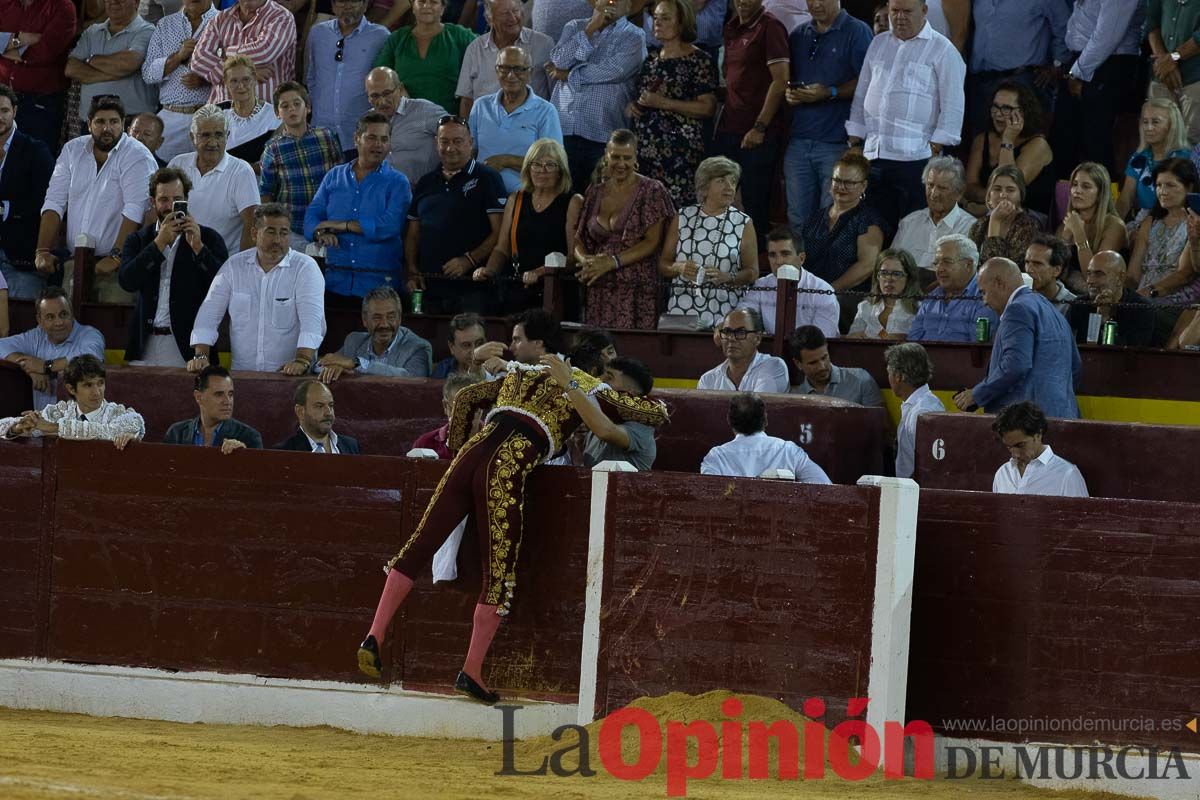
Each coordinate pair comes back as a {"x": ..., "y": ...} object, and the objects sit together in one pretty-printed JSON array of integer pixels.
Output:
[
  {"x": 314, "y": 412},
  {"x": 101, "y": 179},
  {"x": 386, "y": 348},
  {"x": 810, "y": 354},
  {"x": 275, "y": 298},
  {"x": 170, "y": 266},
  {"x": 411, "y": 148},
  {"x": 1112, "y": 300},
  {"x": 358, "y": 215}
]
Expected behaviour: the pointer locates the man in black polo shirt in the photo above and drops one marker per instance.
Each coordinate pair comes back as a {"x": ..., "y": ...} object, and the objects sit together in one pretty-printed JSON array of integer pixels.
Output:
[
  {"x": 1111, "y": 299},
  {"x": 453, "y": 223}
]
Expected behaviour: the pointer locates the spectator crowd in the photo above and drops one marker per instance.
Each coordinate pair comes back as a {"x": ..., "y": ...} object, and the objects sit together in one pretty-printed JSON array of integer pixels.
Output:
[{"x": 943, "y": 173}]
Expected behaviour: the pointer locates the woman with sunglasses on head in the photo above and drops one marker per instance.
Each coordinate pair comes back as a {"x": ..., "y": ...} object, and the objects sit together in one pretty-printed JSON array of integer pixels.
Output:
[
  {"x": 890, "y": 308},
  {"x": 675, "y": 94},
  {"x": 1014, "y": 138},
  {"x": 540, "y": 217}
]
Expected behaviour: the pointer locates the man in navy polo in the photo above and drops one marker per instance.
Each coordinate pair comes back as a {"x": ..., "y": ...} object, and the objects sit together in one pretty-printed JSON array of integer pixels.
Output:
[
  {"x": 453, "y": 223},
  {"x": 827, "y": 56}
]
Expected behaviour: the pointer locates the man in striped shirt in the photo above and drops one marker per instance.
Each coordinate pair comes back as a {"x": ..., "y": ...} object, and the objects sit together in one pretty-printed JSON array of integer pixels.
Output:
[
  {"x": 263, "y": 31},
  {"x": 296, "y": 158}
]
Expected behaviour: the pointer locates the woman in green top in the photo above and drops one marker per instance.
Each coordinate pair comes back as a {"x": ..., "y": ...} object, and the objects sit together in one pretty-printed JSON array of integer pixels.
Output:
[{"x": 428, "y": 56}]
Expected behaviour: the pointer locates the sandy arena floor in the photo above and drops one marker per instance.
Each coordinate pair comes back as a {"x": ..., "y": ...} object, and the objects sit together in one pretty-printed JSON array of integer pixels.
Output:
[{"x": 51, "y": 755}]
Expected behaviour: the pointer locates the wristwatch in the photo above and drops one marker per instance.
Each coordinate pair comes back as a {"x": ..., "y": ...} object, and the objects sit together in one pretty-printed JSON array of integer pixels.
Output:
[
  {"x": 572, "y": 384},
  {"x": 758, "y": 126},
  {"x": 1153, "y": 292},
  {"x": 1176, "y": 57},
  {"x": 49, "y": 366},
  {"x": 1007, "y": 146},
  {"x": 833, "y": 93}
]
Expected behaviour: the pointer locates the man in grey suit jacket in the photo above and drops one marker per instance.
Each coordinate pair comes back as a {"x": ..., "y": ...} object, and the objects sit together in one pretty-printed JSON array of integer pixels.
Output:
[
  {"x": 385, "y": 348},
  {"x": 1034, "y": 356},
  {"x": 215, "y": 426}
]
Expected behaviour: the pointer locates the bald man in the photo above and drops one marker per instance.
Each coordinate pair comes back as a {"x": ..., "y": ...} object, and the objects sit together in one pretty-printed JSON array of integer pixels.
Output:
[
  {"x": 414, "y": 123},
  {"x": 1112, "y": 299},
  {"x": 1034, "y": 356}
]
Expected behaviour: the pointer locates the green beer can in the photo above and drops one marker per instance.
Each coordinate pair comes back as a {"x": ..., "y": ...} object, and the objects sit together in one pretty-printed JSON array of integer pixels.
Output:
[
  {"x": 1108, "y": 334},
  {"x": 418, "y": 299},
  {"x": 983, "y": 329}
]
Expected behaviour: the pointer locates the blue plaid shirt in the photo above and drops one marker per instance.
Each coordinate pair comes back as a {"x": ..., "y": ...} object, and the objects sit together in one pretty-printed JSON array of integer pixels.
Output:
[
  {"x": 293, "y": 168},
  {"x": 603, "y": 70}
]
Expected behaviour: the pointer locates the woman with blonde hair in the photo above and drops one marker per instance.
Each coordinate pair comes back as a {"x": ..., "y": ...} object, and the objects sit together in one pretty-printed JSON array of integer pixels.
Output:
[
  {"x": 1163, "y": 136},
  {"x": 1092, "y": 224},
  {"x": 539, "y": 218},
  {"x": 889, "y": 309},
  {"x": 709, "y": 252},
  {"x": 252, "y": 122},
  {"x": 1009, "y": 227}
]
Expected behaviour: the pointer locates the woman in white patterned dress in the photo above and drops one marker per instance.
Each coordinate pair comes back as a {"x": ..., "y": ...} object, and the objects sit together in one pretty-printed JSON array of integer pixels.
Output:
[{"x": 709, "y": 252}]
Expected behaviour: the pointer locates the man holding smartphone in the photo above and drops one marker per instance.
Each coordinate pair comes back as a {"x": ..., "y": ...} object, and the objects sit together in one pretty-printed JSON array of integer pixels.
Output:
[{"x": 169, "y": 266}]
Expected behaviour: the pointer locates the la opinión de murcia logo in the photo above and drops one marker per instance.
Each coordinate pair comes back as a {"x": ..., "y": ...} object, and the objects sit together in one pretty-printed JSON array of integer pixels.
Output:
[{"x": 695, "y": 750}]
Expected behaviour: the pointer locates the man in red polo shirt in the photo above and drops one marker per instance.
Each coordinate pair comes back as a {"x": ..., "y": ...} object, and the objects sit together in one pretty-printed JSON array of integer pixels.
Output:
[
  {"x": 751, "y": 129},
  {"x": 34, "y": 38}
]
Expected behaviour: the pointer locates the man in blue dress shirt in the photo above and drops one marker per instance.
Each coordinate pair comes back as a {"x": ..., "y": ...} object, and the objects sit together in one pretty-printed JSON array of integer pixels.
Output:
[
  {"x": 44, "y": 352},
  {"x": 949, "y": 312}
]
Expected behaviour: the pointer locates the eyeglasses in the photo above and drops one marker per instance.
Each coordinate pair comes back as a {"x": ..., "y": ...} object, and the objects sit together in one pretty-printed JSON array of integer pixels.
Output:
[
  {"x": 544, "y": 166},
  {"x": 452, "y": 118},
  {"x": 846, "y": 183},
  {"x": 341, "y": 50},
  {"x": 505, "y": 69},
  {"x": 380, "y": 95},
  {"x": 947, "y": 262},
  {"x": 735, "y": 333},
  {"x": 894, "y": 274},
  {"x": 1005, "y": 109}
]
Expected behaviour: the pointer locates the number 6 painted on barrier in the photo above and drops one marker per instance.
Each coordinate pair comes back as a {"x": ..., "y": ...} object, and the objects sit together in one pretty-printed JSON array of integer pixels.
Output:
[
  {"x": 939, "y": 449},
  {"x": 806, "y": 433}
]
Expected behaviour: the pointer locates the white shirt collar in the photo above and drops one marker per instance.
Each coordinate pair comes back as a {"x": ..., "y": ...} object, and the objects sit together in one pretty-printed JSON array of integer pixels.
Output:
[{"x": 312, "y": 443}]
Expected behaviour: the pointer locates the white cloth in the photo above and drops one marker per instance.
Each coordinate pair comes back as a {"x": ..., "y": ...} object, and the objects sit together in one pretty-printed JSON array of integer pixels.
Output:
[
  {"x": 177, "y": 129},
  {"x": 219, "y": 196},
  {"x": 270, "y": 313},
  {"x": 98, "y": 199},
  {"x": 160, "y": 350},
  {"x": 1048, "y": 474},
  {"x": 910, "y": 93},
  {"x": 922, "y": 401},
  {"x": 162, "y": 314},
  {"x": 918, "y": 234},
  {"x": 445, "y": 560},
  {"x": 866, "y": 321},
  {"x": 750, "y": 455},
  {"x": 245, "y": 129},
  {"x": 106, "y": 422},
  {"x": 812, "y": 308},
  {"x": 766, "y": 374}
]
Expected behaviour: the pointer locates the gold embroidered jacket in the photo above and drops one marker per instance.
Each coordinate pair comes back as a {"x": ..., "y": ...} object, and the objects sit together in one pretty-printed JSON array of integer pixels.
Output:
[{"x": 529, "y": 391}]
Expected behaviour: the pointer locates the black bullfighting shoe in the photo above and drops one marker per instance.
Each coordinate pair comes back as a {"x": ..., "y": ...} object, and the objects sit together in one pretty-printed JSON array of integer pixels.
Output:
[
  {"x": 465, "y": 684},
  {"x": 368, "y": 658}
]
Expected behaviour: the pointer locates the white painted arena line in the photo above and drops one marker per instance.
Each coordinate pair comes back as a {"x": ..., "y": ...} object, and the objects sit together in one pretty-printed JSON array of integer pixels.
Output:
[
  {"x": 219, "y": 698},
  {"x": 82, "y": 791}
]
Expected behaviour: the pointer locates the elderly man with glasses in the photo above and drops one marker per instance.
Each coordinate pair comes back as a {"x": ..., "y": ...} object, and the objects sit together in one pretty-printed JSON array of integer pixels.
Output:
[
  {"x": 337, "y": 58},
  {"x": 745, "y": 369},
  {"x": 506, "y": 123},
  {"x": 413, "y": 149},
  {"x": 478, "y": 77}
]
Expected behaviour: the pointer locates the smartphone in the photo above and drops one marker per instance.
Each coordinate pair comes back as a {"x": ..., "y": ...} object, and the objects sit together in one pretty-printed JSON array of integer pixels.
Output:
[
  {"x": 1193, "y": 201},
  {"x": 180, "y": 208}
]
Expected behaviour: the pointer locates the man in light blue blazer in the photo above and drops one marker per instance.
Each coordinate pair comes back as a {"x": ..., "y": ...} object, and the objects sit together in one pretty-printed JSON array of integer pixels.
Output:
[{"x": 1034, "y": 356}]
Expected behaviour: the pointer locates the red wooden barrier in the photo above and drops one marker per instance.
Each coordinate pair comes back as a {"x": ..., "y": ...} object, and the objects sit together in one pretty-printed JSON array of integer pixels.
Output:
[
  {"x": 16, "y": 390},
  {"x": 1117, "y": 459},
  {"x": 1046, "y": 608}
]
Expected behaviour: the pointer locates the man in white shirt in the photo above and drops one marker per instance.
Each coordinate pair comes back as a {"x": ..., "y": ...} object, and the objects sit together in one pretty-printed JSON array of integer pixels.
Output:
[
  {"x": 944, "y": 179},
  {"x": 1033, "y": 468},
  {"x": 745, "y": 369},
  {"x": 810, "y": 354},
  {"x": 275, "y": 298},
  {"x": 908, "y": 105},
  {"x": 101, "y": 179},
  {"x": 909, "y": 371},
  {"x": 224, "y": 188},
  {"x": 816, "y": 304},
  {"x": 752, "y": 452},
  {"x": 87, "y": 415}
]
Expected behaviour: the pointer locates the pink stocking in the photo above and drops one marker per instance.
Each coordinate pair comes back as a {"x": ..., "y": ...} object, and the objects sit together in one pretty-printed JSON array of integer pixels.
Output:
[
  {"x": 486, "y": 622},
  {"x": 396, "y": 588}
]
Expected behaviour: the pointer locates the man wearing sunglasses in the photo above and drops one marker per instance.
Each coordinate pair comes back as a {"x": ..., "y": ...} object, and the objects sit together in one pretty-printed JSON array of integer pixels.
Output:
[
  {"x": 338, "y": 55},
  {"x": 745, "y": 369}
]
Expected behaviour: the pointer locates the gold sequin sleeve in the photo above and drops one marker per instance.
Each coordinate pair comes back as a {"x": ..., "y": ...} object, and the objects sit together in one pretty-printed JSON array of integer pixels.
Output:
[
  {"x": 621, "y": 407},
  {"x": 476, "y": 397}
]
